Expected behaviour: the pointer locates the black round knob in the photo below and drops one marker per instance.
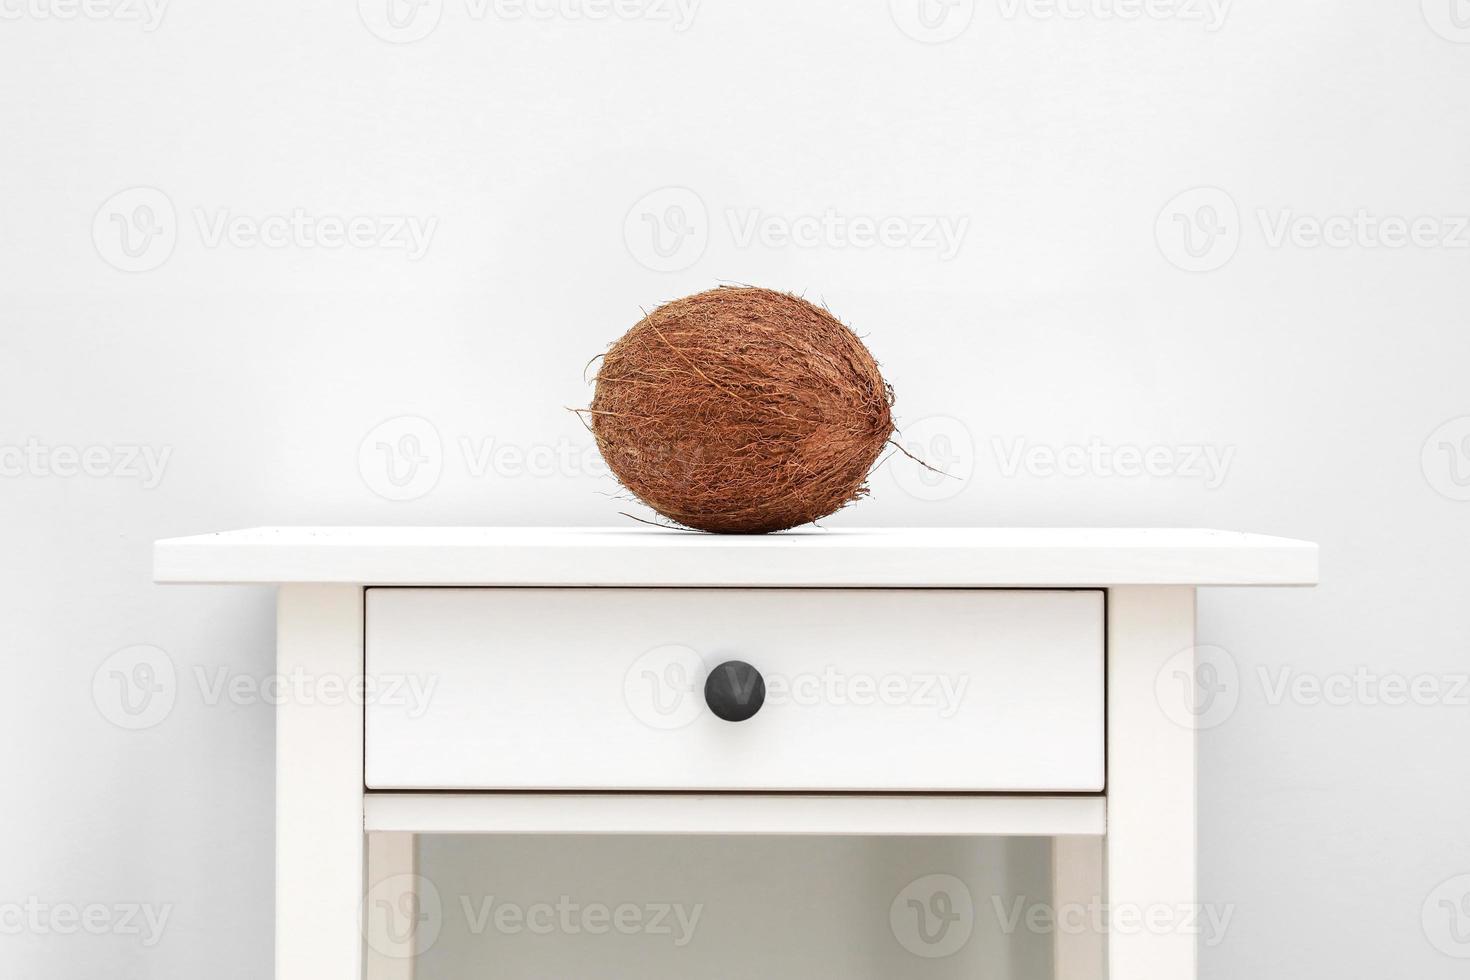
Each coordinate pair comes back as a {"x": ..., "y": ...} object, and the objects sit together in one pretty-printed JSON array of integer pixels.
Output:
[{"x": 734, "y": 690}]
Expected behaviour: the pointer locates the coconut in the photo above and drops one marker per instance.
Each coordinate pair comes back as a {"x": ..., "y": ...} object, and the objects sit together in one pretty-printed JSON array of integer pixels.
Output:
[{"x": 741, "y": 410}]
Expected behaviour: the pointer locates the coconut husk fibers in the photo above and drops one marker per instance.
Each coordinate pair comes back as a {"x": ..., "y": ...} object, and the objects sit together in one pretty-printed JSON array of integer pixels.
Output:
[{"x": 741, "y": 410}]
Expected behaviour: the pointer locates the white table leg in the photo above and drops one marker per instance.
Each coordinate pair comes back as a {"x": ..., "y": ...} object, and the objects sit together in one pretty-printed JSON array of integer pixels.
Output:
[
  {"x": 319, "y": 796},
  {"x": 1151, "y": 787},
  {"x": 1078, "y": 949},
  {"x": 392, "y": 913}
]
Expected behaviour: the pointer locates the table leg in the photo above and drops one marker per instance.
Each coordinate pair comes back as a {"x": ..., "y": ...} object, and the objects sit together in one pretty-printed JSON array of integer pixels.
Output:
[
  {"x": 1078, "y": 948},
  {"x": 319, "y": 794},
  {"x": 392, "y": 914},
  {"x": 1151, "y": 888}
]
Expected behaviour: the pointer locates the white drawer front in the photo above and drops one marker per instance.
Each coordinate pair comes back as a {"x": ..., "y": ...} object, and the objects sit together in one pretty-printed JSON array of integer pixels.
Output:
[{"x": 866, "y": 690}]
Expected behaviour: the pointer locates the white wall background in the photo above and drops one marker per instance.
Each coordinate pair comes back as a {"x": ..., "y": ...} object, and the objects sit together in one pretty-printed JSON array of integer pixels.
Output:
[{"x": 526, "y": 146}]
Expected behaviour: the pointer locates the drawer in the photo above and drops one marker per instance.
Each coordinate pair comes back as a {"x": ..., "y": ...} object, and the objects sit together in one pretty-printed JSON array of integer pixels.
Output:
[{"x": 865, "y": 690}]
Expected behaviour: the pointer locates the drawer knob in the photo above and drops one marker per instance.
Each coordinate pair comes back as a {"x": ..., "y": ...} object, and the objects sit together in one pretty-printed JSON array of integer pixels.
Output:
[{"x": 734, "y": 690}]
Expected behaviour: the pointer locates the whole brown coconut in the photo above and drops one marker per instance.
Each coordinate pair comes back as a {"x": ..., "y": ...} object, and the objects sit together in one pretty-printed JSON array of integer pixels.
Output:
[{"x": 741, "y": 410}]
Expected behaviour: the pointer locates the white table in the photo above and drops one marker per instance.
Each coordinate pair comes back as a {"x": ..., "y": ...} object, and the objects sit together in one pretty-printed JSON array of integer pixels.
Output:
[{"x": 596, "y": 645}]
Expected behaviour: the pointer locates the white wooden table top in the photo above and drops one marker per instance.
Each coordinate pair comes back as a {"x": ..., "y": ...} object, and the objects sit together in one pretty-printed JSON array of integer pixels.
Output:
[{"x": 645, "y": 556}]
